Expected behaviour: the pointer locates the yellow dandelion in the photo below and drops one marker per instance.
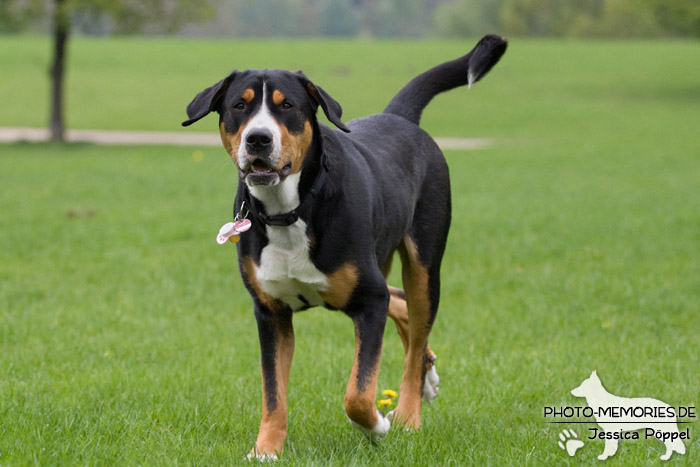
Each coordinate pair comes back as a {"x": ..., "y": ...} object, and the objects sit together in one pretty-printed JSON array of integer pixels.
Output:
[
  {"x": 389, "y": 393},
  {"x": 386, "y": 403}
]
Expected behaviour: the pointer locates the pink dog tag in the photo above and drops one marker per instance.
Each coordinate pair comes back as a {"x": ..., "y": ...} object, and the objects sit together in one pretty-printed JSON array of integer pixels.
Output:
[
  {"x": 242, "y": 225},
  {"x": 225, "y": 232},
  {"x": 232, "y": 229}
]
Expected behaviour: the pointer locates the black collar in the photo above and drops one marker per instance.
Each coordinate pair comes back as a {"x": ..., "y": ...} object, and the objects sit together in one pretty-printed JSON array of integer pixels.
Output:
[{"x": 288, "y": 218}]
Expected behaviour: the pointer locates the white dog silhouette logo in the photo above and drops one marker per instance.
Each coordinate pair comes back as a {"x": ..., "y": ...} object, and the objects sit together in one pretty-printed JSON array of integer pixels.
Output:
[{"x": 619, "y": 415}]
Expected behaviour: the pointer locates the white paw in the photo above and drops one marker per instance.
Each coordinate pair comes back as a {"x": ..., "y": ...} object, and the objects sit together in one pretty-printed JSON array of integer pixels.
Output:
[
  {"x": 570, "y": 442},
  {"x": 430, "y": 387},
  {"x": 390, "y": 417},
  {"x": 261, "y": 457},
  {"x": 378, "y": 432}
]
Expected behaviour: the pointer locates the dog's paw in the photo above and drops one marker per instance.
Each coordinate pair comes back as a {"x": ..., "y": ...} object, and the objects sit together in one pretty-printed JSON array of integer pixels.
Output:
[
  {"x": 570, "y": 442},
  {"x": 256, "y": 456},
  {"x": 378, "y": 432},
  {"x": 391, "y": 415},
  {"x": 430, "y": 387}
]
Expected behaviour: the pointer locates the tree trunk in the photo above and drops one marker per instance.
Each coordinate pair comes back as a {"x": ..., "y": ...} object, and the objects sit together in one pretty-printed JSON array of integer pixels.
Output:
[{"x": 60, "y": 37}]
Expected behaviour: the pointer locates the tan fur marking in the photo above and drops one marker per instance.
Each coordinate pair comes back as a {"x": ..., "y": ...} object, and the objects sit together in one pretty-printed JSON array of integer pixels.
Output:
[
  {"x": 277, "y": 97},
  {"x": 415, "y": 280},
  {"x": 341, "y": 285},
  {"x": 250, "y": 270},
  {"x": 311, "y": 89},
  {"x": 398, "y": 311},
  {"x": 273, "y": 425},
  {"x": 248, "y": 95},
  {"x": 231, "y": 141},
  {"x": 359, "y": 405},
  {"x": 295, "y": 146}
]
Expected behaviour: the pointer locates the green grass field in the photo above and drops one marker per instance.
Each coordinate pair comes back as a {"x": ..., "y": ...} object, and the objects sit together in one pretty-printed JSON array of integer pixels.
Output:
[{"x": 126, "y": 336}]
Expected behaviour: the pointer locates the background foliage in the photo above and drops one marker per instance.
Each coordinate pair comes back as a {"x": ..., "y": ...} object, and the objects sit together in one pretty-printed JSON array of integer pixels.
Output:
[
  {"x": 99, "y": 17},
  {"x": 572, "y": 18},
  {"x": 375, "y": 18}
]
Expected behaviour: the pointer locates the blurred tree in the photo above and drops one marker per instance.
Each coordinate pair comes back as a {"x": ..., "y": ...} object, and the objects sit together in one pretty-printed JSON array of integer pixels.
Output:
[
  {"x": 18, "y": 15},
  {"x": 339, "y": 18},
  {"x": 581, "y": 18},
  {"x": 549, "y": 17},
  {"x": 625, "y": 18},
  {"x": 267, "y": 18},
  {"x": 61, "y": 28},
  {"x": 468, "y": 18},
  {"x": 121, "y": 16},
  {"x": 680, "y": 18},
  {"x": 310, "y": 18}
]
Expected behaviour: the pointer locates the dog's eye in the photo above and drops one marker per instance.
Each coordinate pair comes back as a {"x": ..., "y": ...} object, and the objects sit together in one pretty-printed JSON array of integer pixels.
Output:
[
  {"x": 286, "y": 105},
  {"x": 239, "y": 106}
]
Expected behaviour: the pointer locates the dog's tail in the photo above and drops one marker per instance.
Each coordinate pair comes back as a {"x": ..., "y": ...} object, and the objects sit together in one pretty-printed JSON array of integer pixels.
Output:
[{"x": 412, "y": 99}]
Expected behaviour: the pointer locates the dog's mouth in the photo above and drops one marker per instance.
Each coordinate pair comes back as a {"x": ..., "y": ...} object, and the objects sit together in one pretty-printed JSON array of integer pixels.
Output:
[{"x": 261, "y": 172}]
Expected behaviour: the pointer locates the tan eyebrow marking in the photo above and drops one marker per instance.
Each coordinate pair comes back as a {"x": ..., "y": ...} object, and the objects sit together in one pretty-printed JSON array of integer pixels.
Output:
[
  {"x": 277, "y": 97},
  {"x": 248, "y": 95}
]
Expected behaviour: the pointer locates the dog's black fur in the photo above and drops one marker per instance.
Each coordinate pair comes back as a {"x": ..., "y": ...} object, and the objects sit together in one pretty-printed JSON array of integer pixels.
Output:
[{"x": 379, "y": 185}]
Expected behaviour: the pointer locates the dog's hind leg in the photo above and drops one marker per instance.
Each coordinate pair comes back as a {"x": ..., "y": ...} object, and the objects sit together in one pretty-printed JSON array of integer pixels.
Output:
[
  {"x": 669, "y": 451},
  {"x": 673, "y": 446},
  {"x": 398, "y": 311},
  {"x": 422, "y": 284},
  {"x": 276, "y": 348},
  {"x": 678, "y": 446},
  {"x": 421, "y": 254}
]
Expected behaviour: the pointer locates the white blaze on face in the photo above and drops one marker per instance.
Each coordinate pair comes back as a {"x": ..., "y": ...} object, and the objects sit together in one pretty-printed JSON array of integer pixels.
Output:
[
  {"x": 286, "y": 271},
  {"x": 261, "y": 120}
]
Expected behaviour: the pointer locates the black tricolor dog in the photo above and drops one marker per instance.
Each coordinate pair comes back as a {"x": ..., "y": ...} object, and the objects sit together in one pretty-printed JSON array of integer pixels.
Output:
[{"x": 329, "y": 208}]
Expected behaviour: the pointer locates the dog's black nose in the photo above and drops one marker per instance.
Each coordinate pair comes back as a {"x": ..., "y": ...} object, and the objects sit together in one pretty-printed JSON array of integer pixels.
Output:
[{"x": 258, "y": 140}]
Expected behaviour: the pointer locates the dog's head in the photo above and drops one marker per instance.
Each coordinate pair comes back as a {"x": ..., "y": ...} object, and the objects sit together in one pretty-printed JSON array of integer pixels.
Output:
[
  {"x": 588, "y": 387},
  {"x": 267, "y": 120}
]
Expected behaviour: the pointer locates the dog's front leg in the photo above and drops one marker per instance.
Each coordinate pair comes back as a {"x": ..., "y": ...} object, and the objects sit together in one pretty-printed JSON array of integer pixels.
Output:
[
  {"x": 369, "y": 317},
  {"x": 276, "y": 348}
]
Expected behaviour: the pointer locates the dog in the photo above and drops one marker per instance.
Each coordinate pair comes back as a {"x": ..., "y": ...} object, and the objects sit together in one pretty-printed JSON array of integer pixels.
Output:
[
  {"x": 328, "y": 209},
  {"x": 617, "y": 415}
]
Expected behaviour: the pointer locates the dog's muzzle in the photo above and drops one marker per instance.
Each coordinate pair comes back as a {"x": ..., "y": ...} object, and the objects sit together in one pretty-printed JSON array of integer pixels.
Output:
[
  {"x": 257, "y": 166},
  {"x": 259, "y": 142}
]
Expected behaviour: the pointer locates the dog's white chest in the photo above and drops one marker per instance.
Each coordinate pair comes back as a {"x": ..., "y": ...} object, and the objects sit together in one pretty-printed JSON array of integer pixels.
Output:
[{"x": 286, "y": 271}]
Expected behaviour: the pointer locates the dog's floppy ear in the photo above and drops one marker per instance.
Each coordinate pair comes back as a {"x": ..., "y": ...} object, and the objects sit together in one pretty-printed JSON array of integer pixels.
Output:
[
  {"x": 330, "y": 106},
  {"x": 208, "y": 100}
]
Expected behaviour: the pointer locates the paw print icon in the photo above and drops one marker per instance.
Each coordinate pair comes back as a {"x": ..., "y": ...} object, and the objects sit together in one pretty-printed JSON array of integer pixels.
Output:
[{"x": 569, "y": 442}]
